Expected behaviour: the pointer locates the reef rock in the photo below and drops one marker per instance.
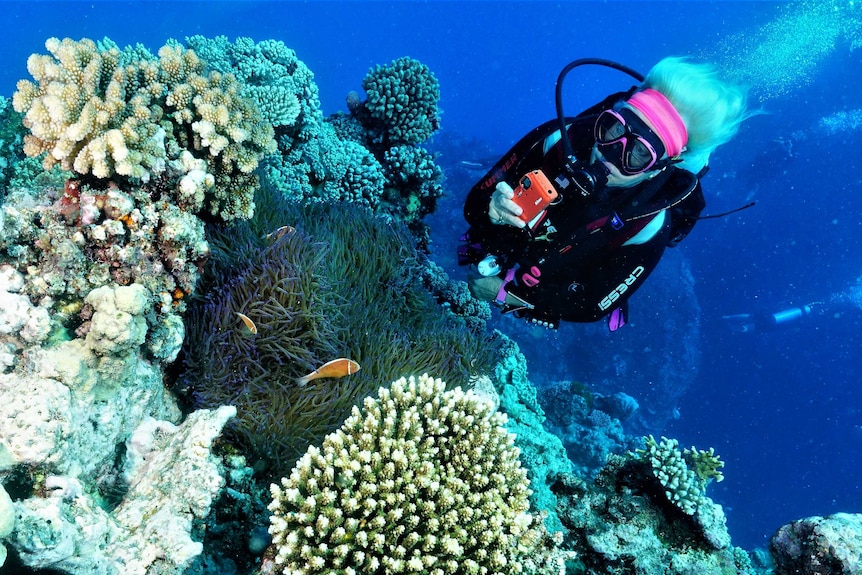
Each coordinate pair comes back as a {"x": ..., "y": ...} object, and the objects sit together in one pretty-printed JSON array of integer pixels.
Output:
[
  {"x": 829, "y": 545},
  {"x": 172, "y": 478}
]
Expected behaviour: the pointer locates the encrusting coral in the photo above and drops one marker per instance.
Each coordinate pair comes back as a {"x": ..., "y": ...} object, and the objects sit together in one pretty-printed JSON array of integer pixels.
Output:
[{"x": 420, "y": 479}]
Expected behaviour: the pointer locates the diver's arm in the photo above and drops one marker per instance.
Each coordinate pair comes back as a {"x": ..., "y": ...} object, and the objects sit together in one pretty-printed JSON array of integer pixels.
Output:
[{"x": 488, "y": 289}]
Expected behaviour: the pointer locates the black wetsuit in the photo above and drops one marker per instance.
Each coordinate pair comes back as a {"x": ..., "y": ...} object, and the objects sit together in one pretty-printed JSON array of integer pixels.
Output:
[{"x": 588, "y": 264}]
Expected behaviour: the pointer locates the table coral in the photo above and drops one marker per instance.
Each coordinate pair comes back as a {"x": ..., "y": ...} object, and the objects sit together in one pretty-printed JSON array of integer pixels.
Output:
[{"x": 418, "y": 479}]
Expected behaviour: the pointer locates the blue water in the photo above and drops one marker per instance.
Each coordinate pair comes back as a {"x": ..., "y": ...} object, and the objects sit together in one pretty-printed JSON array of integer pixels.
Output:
[{"x": 782, "y": 408}]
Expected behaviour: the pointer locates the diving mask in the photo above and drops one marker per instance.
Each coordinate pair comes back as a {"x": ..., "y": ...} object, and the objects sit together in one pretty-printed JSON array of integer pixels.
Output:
[{"x": 627, "y": 142}]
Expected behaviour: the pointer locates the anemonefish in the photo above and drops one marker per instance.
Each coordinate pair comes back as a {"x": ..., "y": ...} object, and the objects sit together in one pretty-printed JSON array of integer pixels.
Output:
[
  {"x": 335, "y": 368},
  {"x": 249, "y": 325}
]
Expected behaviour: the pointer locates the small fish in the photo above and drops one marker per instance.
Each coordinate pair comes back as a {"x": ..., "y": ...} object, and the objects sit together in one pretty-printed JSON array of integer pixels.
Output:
[
  {"x": 335, "y": 368},
  {"x": 471, "y": 165},
  {"x": 248, "y": 323},
  {"x": 277, "y": 234}
]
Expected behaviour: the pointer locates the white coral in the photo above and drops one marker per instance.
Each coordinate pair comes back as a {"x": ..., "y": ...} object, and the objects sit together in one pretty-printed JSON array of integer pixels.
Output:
[
  {"x": 20, "y": 320},
  {"x": 173, "y": 485},
  {"x": 118, "y": 324},
  {"x": 419, "y": 476}
]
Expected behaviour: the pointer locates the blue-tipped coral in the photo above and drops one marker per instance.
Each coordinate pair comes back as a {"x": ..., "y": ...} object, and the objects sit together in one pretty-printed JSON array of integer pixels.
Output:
[{"x": 401, "y": 107}]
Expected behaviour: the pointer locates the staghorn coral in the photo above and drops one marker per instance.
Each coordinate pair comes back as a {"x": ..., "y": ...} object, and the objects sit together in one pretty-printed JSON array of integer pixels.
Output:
[
  {"x": 124, "y": 115},
  {"x": 419, "y": 479},
  {"x": 401, "y": 107}
]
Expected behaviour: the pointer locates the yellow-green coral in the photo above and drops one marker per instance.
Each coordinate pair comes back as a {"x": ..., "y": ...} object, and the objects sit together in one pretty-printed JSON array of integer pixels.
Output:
[
  {"x": 419, "y": 480},
  {"x": 684, "y": 487},
  {"x": 705, "y": 464}
]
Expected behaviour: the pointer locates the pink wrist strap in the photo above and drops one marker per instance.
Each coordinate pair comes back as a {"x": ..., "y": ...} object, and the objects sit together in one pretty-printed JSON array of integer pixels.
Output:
[{"x": 501, "y": 295}]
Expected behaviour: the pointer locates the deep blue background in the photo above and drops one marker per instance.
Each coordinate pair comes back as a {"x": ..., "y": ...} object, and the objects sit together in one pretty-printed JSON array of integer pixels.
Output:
[{"x": 781, "y": 408}]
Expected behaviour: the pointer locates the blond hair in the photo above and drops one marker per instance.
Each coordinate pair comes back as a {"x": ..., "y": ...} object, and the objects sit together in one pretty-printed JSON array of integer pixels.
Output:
[{"x": 711, "y": 109}]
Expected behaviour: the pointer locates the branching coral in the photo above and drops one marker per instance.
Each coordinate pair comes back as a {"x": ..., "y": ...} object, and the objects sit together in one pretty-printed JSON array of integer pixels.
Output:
[
  {"x": 419, "y": 480},
  {"x": 399, "y": 113},
  {"x": 280, "y": 83},
  {"x": 684, "y": 487},
  {"x": 411, "y": 169},
  {"x": 124, "y": 115},
  {"x": 402, "y": 102}
]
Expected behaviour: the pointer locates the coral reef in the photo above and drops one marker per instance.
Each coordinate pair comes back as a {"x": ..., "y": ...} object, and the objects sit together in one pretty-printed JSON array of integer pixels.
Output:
[
  {"x": 418, "y": 479},
  {"x": 340, "y": 282},
  {"x": 401, "y": 106},
  {"x": 621, "y": 523},
  {"x": 281, "y": 288},
  {"x": 281, "y": 85},
  {"x": 61, "y": 245},
  {"x": 369, "y": 156},
  {"x": 11, "y": 143},
  {"x": 149, "y": 531},
  {"x": 541, "y": 451},
  {"x": 399, "y": 112},
  {"x": 7, "y": 521},
  {"x": 123, "y": 115},
  {"x": 829, "y": 545},
  {"x": 684, "y": 486},
  {"x": 588, "y": 423},
  {"x": 455, "y": 296}
]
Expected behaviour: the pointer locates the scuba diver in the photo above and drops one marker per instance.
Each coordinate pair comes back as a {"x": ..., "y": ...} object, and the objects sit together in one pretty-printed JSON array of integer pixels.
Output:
[
  {"x": 842, "y": 305},
  {"x": 569, "y": 223},
  {"x": 765, "y": 321}
]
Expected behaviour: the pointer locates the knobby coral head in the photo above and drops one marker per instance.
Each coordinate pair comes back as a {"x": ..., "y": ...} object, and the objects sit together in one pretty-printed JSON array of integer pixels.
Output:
[{"x": 418, "y": 479}]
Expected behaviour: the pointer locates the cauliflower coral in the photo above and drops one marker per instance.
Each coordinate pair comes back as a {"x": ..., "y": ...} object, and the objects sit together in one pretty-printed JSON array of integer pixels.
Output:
[
  {"x": 129, "y": 115},
  {"x": 420, "y": 479}
]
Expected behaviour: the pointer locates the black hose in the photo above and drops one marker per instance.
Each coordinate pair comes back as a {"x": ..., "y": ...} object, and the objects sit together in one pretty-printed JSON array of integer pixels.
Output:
[{"x": 561, "y": 117}]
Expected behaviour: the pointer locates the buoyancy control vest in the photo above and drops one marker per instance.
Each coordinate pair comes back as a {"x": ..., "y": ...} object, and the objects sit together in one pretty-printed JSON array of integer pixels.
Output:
[{"x": 587, "y": 255}]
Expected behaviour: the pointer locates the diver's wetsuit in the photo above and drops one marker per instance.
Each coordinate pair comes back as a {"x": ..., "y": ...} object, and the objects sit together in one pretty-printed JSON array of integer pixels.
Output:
[{"x": 586, "y": 268}]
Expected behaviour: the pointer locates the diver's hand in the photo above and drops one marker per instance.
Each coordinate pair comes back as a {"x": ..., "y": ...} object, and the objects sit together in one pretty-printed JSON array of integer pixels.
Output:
[{"x": 503, "y": 211}]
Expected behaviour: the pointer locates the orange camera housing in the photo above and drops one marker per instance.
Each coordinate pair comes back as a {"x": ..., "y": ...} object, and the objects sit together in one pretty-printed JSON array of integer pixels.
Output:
[{"x": 534, "y": 193}]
